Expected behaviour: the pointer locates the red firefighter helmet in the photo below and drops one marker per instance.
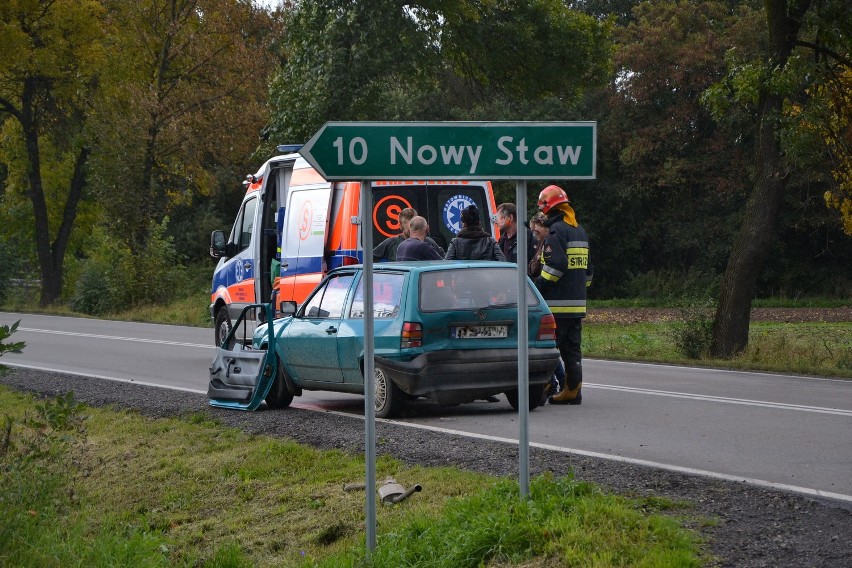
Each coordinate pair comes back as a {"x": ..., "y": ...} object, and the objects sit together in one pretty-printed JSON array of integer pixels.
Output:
[{"x": 551, "y": 196}]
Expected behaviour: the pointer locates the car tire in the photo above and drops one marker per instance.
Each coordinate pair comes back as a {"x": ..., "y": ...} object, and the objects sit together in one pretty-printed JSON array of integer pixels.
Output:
[
  {"x": 535, "y": 398},
  {"x": 222, "y": 325},
  {"x": 388, "y": 396},
  {"x": 279, "y": 396}
]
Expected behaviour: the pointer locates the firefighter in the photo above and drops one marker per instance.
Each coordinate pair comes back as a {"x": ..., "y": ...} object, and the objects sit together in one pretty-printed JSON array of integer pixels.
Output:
[{"x": 565, "y": 274}]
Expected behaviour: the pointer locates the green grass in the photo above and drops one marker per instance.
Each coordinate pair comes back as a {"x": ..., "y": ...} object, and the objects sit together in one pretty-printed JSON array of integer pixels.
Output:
[
  {"x": 125, "y": 490},
  {"x": 823, "y": 349}
]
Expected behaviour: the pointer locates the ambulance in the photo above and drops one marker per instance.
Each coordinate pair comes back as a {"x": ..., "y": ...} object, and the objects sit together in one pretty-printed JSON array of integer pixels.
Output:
[{"x": 293, "y": 226}]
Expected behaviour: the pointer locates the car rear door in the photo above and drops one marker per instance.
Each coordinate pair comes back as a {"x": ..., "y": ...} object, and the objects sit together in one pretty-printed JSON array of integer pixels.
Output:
[{"x": 387, "y": 324}]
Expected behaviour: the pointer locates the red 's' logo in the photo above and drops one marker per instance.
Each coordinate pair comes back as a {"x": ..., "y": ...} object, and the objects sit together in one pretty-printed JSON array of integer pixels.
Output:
[
  {"x": 386, "y": 214},
  {"x": 305, "y": 215}
]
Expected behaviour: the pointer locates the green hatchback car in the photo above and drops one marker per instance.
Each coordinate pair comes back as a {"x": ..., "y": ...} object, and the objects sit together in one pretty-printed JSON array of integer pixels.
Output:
[{"x": 444, "y": 330}]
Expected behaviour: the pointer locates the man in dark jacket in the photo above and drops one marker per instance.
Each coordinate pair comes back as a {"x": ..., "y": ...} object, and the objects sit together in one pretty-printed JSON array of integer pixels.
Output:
[
  {"x": 385, "y": 251},
  {"x": 507, "y": 221},
  {"x": 415, "y": 247},
  {"x": 565, "y": 273},
  {"x": 472, "y": 243}
]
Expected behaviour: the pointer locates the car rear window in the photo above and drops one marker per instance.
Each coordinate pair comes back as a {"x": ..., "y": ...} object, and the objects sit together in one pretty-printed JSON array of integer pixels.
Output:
[{"x": 470, "y": 288}]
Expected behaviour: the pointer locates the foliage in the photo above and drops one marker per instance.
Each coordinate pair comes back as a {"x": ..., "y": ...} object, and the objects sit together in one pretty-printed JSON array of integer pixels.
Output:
[
  {"x": 564, "y": 521},
  {"x": 183, "y": 106},
  {"x": 38, "y": 498},
  {"x": 775, "y": 87},
  {"x": 6, "y": 332},
  {"x": 433, "y": 60},
  {"x": 52, "y": 56},
  {"x": 113, "y": 279},
  {"x": 670, "y": 180},
  {"x": 204, "y": 495},
  {"x": 692, "y": 332}
]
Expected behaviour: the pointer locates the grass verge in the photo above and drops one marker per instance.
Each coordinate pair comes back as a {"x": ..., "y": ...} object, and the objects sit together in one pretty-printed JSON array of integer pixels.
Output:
[
  {"x": 112, "y": 488},
  {"x": 823, "y": 349}
]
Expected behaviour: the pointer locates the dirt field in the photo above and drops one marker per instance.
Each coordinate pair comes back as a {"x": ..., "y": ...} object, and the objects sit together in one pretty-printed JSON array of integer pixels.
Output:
[{"x": 792, "y": 315}]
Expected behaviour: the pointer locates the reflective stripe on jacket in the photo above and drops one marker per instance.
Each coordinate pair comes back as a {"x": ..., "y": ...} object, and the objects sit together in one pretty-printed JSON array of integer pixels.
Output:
[{"x": 565, "y": 270}]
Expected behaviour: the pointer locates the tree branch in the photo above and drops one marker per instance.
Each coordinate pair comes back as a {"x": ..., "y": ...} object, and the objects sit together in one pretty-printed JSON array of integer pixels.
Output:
[
  {"x": 7, "y": 106},
  {"x": 824, "y": 50}
]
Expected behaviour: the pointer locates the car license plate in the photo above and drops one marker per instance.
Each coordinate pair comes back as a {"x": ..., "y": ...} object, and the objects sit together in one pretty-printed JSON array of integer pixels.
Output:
[{"x": 479, "y": 331}]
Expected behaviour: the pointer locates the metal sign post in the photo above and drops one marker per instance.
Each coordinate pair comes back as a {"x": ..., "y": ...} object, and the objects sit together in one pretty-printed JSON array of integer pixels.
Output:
[
  {"x": 369, "y": 364},
  {"x": 523, "y": 344}
]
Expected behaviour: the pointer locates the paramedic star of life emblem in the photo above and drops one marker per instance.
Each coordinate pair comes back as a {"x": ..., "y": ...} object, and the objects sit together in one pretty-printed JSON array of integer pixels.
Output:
[{"x": 452, "y": 211}]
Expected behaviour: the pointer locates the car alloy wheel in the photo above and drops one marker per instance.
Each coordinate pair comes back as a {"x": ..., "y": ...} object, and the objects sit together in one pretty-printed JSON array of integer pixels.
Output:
[{"x": 388, "y": 395}]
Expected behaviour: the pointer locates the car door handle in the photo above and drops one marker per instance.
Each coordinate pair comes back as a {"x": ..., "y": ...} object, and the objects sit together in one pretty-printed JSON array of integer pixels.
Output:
[
  {"x": 331, "y": 329},
  {"x": 247, "y": 265}
]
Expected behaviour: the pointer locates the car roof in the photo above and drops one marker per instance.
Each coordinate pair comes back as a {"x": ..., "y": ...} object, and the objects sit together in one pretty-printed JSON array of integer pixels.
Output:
[{"x": 427, "y": 265}]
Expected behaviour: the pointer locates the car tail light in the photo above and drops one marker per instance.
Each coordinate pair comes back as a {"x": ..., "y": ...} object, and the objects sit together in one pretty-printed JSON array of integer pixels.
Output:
[
  {"x": 547, "y": 328},
  {"x": 412, "y": 335}
]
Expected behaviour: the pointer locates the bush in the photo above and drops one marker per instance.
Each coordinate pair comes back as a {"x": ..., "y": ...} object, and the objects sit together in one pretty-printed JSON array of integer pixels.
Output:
[
  {"x": 692, "y": 332},
  {"x": 113, "y": 280}
]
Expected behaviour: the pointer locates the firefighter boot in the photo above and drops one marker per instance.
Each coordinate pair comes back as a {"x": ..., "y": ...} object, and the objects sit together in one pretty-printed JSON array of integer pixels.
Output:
[{"x": 573, "y": 384}]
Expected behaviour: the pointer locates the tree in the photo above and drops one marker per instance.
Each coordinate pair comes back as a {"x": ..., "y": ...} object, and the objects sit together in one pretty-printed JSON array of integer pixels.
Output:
[
  {"x": 187, "y": 98},
  {"x": 434, "y": 60},
  {"x": 52, "y": 52},
  {"x": 770, "y": 88},
  {"x": 670, "y": 177}
]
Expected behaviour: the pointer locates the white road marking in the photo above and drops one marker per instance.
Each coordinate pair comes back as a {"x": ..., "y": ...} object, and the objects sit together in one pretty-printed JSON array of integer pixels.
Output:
[
  {"x": 716, "y": 370},
  {"x": 116, "y": 338},
  {"x": 725, "y": 400}
]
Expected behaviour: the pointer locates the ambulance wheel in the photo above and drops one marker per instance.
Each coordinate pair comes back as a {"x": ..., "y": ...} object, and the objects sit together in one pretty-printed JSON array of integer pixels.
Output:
[
  {"x": 222, "y": 325},
  {"x": 534, "y": 400},
  {"x": 388, "y": 396},
  {"x": 279, "y": 396}
]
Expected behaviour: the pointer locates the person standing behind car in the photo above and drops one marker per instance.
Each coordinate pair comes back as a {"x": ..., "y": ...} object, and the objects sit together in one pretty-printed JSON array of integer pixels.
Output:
[
  {"x": 539, "y": 232},
  {"x": 415, "y": 247},
  {"x": 385, "y": 251},
  {"x": 472, "y": 243},
  {"x": 565, "y": 273},
  {"x": 507, "y": 221}
]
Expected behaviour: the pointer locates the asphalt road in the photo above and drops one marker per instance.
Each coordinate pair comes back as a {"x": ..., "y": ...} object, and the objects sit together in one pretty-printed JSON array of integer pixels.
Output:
[{"x": 780, "y": 431}]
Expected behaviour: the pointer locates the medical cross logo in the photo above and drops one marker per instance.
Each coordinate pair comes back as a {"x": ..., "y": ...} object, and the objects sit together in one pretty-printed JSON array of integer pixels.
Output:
[{"x": 452, "y": 211}]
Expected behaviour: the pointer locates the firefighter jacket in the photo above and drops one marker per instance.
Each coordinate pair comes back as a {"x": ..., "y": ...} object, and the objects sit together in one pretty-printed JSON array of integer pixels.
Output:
[{"x": 565, "y": 270}]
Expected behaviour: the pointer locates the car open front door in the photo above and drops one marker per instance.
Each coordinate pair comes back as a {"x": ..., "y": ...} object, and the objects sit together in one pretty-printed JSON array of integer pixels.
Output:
[{"x": 240, "y": 377}]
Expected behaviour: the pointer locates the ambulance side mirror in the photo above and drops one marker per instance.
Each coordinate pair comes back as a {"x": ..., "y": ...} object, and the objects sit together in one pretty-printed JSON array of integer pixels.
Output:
[{"x": 217, "y": 244}]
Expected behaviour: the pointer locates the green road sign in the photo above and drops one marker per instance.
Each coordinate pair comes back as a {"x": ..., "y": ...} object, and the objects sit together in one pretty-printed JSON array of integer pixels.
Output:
[{"x": 453, "y": 150}]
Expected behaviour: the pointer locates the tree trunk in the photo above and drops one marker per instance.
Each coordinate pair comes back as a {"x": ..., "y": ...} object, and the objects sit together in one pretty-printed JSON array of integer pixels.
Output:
[
  {"x": 753, "y": 242},
  {"x": 50, "y": 287},
  {"x": 759, "y": 226},
  {"x": 51, "y": 256}
]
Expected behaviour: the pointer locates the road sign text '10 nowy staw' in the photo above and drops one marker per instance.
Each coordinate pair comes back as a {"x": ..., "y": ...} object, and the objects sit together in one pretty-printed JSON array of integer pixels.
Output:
[{"x": 454, "y": 150}]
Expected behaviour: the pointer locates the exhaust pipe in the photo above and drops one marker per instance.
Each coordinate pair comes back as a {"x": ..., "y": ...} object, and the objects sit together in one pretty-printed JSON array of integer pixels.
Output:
[{"x": 392, "y": 492}]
